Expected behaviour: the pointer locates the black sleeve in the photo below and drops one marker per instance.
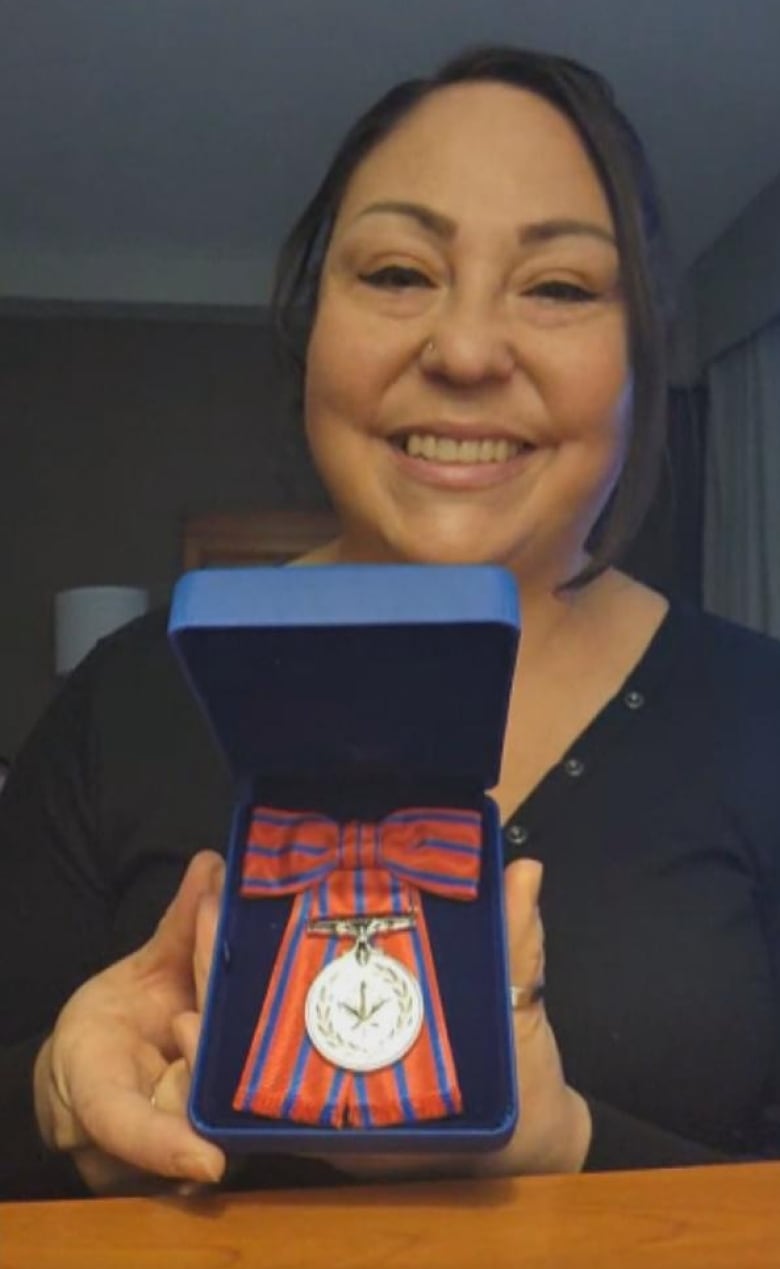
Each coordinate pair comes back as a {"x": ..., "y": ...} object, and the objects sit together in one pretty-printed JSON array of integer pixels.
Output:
[
  {"x": 54, "y": 919},
  {"x": 118, "y": 785},
  {"x": 28, "y": 1170},
  {"x": 620, "y": 1142}
]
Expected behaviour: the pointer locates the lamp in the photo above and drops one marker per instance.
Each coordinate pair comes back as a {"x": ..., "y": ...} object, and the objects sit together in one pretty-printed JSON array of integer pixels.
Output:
[{"x": 87, "y": 613}]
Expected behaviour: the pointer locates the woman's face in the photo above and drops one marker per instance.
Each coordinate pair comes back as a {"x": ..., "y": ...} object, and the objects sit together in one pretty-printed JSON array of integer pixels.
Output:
[{"x": 467, "y": 388}]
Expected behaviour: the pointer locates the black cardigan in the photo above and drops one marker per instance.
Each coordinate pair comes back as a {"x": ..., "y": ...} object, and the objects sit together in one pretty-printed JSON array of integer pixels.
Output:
[{"x": 659, "y": 831}]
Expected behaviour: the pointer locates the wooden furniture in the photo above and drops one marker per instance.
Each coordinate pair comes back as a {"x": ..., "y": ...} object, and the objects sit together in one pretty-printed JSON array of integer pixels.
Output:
[
  {"x": 702, "y": 1218},
  {"x": 253, "y": 537}
]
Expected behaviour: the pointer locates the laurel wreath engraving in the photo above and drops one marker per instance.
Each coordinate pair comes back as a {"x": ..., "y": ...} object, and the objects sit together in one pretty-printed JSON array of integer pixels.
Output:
[{"x": 403, "y": 998}]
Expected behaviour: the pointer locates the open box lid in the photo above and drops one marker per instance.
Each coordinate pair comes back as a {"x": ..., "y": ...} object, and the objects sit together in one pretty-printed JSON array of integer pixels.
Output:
[{"x": 361, "y": 671}]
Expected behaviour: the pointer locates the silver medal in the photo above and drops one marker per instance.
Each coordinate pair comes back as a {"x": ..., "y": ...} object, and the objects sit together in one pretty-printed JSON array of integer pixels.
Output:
[{"x": 364, "y": 1010}]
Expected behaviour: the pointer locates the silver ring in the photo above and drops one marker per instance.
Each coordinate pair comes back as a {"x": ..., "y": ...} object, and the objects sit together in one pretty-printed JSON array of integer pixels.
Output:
[
  {"x": 153, "y": 1098},
  {"x": 430, "y": 347},
  {"x": 519, "y": 997}
]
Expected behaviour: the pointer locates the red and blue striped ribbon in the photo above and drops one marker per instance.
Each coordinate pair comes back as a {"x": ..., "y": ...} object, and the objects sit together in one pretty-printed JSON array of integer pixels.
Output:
[{"x": 350, "y": 870}]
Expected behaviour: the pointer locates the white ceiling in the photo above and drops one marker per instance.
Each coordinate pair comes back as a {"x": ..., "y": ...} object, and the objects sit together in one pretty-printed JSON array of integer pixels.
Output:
[{"x": 154, "y": 150}]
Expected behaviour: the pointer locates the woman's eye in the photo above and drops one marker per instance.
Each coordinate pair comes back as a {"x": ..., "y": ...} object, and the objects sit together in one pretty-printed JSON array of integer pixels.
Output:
[
  {"x": 563, "y": 292},
  {"x": 395, "y": 277}
]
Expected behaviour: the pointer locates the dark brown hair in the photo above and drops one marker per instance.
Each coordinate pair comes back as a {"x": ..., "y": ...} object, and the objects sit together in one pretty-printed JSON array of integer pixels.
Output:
[{"x": 619, "y": 159}]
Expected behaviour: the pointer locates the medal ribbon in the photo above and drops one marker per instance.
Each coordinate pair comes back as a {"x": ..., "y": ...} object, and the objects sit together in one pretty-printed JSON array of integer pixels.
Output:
[{"x": 351, "y": 870}]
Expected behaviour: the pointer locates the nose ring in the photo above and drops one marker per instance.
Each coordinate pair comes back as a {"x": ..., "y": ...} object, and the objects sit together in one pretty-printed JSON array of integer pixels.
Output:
[{"x": 430, "y": 347}]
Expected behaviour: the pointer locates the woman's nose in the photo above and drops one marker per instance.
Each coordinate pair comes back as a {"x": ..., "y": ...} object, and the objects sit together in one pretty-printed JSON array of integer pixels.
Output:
[{"x": 468, "y": 344}]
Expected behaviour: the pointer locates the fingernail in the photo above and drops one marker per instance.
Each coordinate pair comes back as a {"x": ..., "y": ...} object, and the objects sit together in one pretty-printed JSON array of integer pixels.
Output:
[
  {"x": 197, "y": 1168},
  {"x": 217, "y": 876},
  {"x": 190, "y": 1189}
]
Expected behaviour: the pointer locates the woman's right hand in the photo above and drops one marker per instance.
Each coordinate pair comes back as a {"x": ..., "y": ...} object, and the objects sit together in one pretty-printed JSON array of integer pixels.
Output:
[{"x": 111, "y": 1081}]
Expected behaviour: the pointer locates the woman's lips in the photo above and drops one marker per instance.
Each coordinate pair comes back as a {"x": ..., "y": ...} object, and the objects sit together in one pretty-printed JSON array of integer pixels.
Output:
[{"x": 471, "y": 462}]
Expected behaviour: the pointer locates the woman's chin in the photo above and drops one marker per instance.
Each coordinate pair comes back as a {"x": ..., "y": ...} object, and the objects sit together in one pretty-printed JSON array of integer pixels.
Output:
[
  {"x": 403, "y": 535},
  {"x": 451, "y": 553},
  {"x": 426, "y": 548}
]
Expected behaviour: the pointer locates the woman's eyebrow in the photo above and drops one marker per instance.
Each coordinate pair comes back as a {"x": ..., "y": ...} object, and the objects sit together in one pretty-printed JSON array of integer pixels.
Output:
[
  {"x": 435, "y": 222},
  {"x": 537, "y": 233},
  {"x": 547, "y": 230}
]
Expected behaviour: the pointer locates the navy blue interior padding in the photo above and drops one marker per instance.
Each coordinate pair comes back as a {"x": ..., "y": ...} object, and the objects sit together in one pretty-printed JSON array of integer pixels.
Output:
[{"x": 356, "y": 690}]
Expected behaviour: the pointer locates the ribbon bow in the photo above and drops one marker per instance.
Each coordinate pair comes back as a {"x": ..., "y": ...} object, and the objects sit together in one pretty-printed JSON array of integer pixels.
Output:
[{"x": 352, "y": 870}]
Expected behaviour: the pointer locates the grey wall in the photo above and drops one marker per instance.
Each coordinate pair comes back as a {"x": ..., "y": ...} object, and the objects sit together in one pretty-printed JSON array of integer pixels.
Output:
[
  {"x": 113, "y": 431},
  {"x": 736, "y": 283}
]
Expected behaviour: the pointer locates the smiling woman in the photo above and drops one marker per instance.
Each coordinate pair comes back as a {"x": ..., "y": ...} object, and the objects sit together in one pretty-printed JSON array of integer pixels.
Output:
[
  {"x": 615, "y": 233},
  {"x": 478, "y": 286},
  {"x": 477, "y": 314}
]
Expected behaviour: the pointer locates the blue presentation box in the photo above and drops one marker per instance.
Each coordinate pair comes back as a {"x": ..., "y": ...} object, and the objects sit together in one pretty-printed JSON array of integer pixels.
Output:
[{"x": 353, "y": 691}]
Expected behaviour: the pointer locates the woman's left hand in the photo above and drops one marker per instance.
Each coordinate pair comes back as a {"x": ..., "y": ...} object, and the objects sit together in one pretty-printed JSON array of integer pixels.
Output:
[{"x": 554, "y": 1128}]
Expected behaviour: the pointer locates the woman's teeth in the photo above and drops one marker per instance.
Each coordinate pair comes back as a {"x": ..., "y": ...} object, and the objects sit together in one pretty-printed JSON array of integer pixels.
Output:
[{"x": 444, "y": 449}]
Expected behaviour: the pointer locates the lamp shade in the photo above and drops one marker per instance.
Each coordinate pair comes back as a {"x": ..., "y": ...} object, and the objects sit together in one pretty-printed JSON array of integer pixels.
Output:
[{"x": 87, "y": 613}]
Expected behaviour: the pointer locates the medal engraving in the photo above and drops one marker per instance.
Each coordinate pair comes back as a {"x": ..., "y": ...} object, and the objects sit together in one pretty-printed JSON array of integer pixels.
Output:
[{"x": 364, "y": 1010}]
